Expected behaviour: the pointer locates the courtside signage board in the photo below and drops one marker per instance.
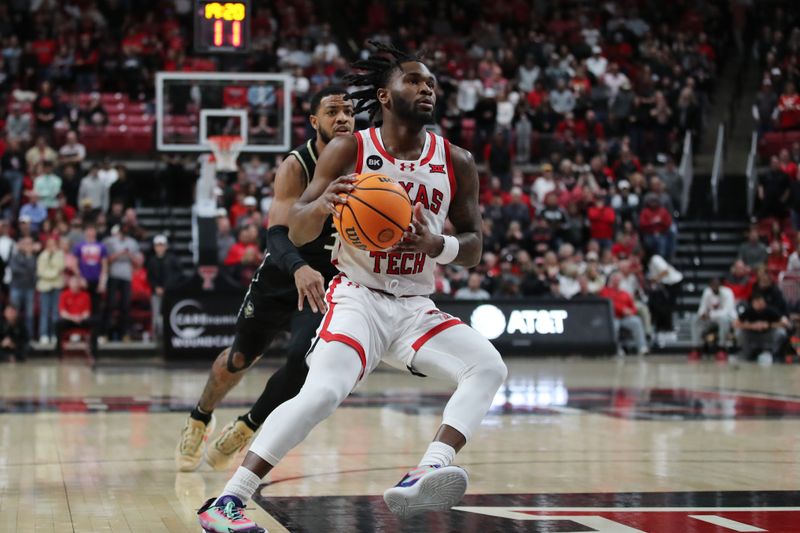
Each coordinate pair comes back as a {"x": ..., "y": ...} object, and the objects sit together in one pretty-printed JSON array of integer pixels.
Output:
[
  {"x": 555, "y": 326},
  {"x": 199, "y": 324}
]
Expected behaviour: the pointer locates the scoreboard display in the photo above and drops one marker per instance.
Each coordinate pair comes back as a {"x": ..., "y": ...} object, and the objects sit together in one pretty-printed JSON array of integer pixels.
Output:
[{"x": 222, "y": 26}]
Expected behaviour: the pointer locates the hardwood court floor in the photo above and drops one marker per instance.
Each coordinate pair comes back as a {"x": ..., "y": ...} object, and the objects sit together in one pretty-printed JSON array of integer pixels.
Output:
[{"x": 92, "y": 452}]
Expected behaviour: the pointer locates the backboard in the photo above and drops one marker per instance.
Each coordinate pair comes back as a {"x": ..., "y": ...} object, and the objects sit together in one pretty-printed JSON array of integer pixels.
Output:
[{"x": 192, "y": 106}]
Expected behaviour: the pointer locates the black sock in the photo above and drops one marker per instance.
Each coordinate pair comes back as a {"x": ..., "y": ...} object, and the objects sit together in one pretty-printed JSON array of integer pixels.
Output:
[
  {"x": 197, "y": 414},
  {"x": 248, "y": 422}
]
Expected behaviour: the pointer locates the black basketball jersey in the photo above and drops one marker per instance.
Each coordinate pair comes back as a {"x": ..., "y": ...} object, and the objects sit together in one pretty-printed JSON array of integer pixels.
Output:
[{"x": 316, "y": 253}]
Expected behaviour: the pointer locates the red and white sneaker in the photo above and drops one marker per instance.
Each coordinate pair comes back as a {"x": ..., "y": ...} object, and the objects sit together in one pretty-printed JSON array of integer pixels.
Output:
[
  {"x": 694, "y": 356},
  {"x": 427, "y": 488}
]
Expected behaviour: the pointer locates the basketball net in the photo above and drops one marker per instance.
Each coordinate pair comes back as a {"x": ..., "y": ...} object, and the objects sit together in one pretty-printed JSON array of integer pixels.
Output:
[{"x": 225, "y": 150}]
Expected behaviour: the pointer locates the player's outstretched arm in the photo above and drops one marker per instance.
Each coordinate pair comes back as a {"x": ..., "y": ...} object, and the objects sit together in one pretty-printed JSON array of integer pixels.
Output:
[
  {"x": 307, "y": 216},
  {"x": 290, "y": 181},
  {"x": 464, "y": 214}
]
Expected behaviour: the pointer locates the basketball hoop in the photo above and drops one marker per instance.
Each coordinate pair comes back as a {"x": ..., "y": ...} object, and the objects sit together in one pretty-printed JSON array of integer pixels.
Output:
[{"x": 226, "y": 149}]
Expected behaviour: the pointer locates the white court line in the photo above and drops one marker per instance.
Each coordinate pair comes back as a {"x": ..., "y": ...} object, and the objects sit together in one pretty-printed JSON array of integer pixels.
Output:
[{"x": 726, "y": 523}]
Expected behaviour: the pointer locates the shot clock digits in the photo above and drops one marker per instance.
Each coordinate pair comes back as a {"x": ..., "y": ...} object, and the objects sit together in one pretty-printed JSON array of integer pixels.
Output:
[{"x": 222, "y": 26}]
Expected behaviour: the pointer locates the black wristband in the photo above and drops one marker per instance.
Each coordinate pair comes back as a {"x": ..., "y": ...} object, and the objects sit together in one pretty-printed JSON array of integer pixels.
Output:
[{"x": 282, "y": 251}]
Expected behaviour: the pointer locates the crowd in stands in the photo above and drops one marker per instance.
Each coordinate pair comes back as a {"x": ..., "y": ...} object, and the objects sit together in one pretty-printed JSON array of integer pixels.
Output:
[
  {"x": 755, "y": 308},
  {"x": 577, "y": 121},
  {"x": 777, "y": 50},
  {"x": 763, "y": 283},
  {"x": 575, "y": 117},
  {"x": 73, "y": 257},
  {"x": 72, "y": 253}
]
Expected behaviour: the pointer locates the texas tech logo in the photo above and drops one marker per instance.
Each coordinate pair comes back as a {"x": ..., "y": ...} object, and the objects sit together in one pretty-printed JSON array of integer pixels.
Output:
[
  {"x": 436, "y": 169},
  {"x": 374, "y": 162},
  {"x": 406, "y": 167}
]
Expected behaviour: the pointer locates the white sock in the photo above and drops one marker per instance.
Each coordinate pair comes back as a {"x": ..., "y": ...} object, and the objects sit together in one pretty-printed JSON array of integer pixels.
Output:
[
  {"x": 243, "y": 484},
  {"x": 438, "y": 453}
]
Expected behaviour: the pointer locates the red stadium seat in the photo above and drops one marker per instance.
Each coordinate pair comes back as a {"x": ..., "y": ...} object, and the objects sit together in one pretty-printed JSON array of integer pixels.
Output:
[
  {"x": 773, "y": 142},
  {"x": 132, "y": 108},
  {"x": 112, "y": 98},
  {"x": 178, "y": 120},
  {"x": 138, "y": 120},
  {"x": 117, "y": 118}
]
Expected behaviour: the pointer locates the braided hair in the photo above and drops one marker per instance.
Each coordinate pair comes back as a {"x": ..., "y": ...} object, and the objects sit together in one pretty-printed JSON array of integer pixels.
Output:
[{"x": 374, "y": 75}]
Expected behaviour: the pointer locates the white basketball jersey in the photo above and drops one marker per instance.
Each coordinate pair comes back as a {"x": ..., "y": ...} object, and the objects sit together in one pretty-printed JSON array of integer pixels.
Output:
[{"x": 430, "y": 181}]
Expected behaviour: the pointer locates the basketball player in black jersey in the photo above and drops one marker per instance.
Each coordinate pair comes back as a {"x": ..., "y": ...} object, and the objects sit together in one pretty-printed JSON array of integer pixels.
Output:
[{"x": 287, "y": 277}]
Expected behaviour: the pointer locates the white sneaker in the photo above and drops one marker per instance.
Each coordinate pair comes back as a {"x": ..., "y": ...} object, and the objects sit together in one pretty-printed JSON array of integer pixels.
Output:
[
  {"x": 765, "y": 359},
  {"x": 427, "y": 488}
]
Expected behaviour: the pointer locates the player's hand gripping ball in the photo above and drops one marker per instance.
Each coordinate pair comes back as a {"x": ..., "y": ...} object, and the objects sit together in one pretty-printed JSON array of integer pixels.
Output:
[{"x": 377, "y": 213}]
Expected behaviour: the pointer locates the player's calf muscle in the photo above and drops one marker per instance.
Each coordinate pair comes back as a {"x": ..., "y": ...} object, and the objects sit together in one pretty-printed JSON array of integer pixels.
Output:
[{"x": 225, "y": 374}]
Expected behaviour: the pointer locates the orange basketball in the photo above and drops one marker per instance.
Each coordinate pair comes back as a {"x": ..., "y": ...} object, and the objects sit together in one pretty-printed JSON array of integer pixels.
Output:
[{"x": 376, "y": 214}]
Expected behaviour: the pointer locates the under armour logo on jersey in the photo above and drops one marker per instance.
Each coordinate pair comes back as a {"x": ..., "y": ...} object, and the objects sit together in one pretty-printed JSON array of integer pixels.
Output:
[
  {"x": 406, "y": 167},
  {"x": 436, "y": 169}
]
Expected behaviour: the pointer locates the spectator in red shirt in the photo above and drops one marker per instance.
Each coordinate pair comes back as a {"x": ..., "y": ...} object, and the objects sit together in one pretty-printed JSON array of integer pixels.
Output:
[
  {"x": 740, "y": 281},
  {"x": 244, "y": 247},
  {"x": 140, "y": 286},
  {"x": 75, "y": 311},
  {"x": 537, "y": 95},
  {"x": 626, "y": 165},
  {"x": 601, "y": 219},
  {"x": 244, "y": 256},
  {"x": 64, "y": 211},
  {"x": 44, "y": 48},
  {"x": 654, "y": 224},
  {"x": 625, "y": 312},
  {"x": 627, "y": 241},
  {"x": 570, "y": 129},
  {"x": 495, "y": 189},
  {"x": 44, "y": 108},
  {"x": 705, "y": 48},
  {"x": 789, "y": 108},
  {"x": 594, "y": 129},
  {"x": 87, "y": 58},
  {"x": 580, "y": 83},
  {"x": 787, "y": 166},
  {"x": 238, "y": 208},
  {"x": 777, "y": 259}
]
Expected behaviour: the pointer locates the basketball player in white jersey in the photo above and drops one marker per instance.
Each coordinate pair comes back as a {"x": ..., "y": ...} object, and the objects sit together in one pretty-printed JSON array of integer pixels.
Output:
[{"x": 378, "y": 306}]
